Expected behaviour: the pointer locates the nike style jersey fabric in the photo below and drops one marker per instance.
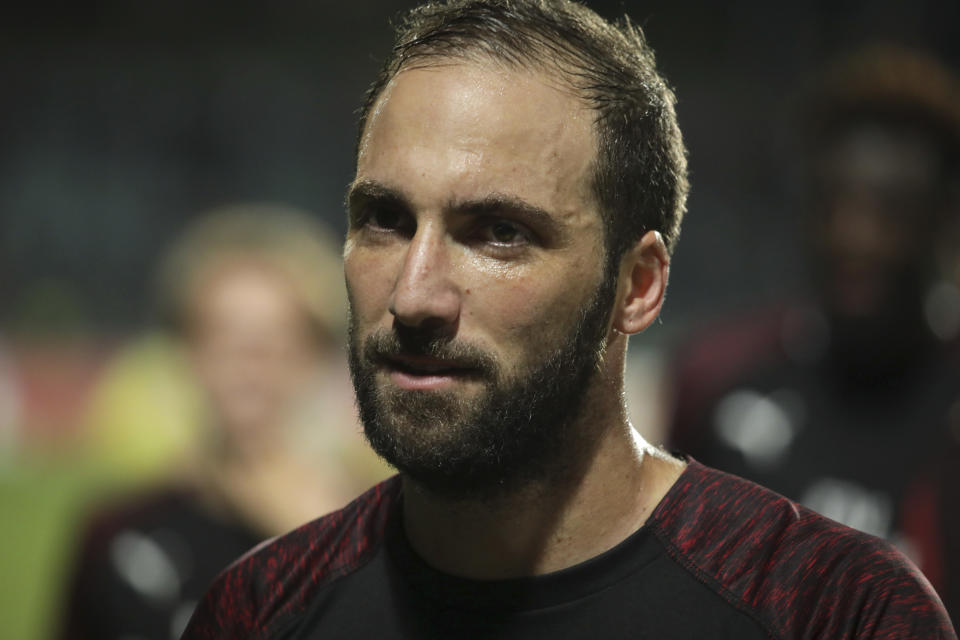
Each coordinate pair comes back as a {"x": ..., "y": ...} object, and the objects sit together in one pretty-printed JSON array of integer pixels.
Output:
[{"x": 720, "y": 557}]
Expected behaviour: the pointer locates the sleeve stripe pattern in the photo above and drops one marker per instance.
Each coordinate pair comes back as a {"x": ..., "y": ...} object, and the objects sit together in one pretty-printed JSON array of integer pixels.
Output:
[{"x": 797, "y": 574}]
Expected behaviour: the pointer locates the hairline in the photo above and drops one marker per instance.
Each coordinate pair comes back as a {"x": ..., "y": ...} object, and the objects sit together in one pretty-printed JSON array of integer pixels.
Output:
[{"x": 523, "y": 63}]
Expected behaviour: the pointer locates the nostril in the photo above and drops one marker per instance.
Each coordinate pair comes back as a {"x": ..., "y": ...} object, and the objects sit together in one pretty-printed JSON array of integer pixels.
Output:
[
  {"x": 434, "y": 303},
  {"x": 438, "y": 327},
  {"x": 434, "y": 324}
]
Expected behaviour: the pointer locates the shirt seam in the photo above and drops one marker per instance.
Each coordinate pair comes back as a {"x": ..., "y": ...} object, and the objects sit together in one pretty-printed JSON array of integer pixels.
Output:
[
  {"x": 297, "y": 616},
  {"x": 711, "y": 583}
]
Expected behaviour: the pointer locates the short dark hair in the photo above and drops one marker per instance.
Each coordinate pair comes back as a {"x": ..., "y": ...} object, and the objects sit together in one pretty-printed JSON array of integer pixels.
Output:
[
  {"x": 640, "y": 173},
  {"x": 892, "y": 86}
]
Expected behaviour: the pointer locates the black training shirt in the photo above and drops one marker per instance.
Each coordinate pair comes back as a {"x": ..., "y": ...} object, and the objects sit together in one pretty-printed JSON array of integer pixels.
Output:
[{"x": 719, "y": 558}]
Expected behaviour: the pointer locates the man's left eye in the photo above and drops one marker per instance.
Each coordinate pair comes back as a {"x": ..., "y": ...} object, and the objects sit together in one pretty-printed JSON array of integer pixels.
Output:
[{"x": 507, "y": 233}]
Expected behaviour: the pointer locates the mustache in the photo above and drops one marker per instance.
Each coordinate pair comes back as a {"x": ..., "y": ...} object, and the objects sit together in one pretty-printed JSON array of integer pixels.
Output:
[{"x": 383, "y": 346}]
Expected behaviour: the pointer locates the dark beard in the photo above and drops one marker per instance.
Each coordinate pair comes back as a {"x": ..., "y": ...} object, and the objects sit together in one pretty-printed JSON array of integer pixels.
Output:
[{"x": 517, "y": 433}]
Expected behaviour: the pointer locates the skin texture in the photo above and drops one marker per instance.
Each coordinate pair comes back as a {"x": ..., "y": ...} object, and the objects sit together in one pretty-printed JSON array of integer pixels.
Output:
[
  {"x": 467, "y": 432},
  {"x": 441, "y": 145}
]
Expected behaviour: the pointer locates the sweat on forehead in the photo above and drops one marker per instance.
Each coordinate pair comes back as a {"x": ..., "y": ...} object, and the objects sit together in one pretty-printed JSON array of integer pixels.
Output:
[
  {"x": 479, "y": 134},
  {"x": 640, "y": 174},
  {"x": 522, "y": 101}
]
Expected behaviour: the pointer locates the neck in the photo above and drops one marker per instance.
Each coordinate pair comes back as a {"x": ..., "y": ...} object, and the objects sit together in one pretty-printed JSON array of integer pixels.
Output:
[{"x": 558, "y": 522}]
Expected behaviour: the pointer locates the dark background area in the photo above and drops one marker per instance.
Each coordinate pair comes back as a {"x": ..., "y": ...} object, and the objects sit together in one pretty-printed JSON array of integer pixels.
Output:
[{"x": 120, "y": 121}]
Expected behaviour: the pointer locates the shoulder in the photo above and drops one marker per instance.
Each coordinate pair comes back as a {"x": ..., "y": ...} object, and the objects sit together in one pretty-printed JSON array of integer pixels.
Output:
[
  {"x": 790, "y": 568},
  {"x": 275, "y": 581},
  {"x": 156, "y": 507},
  {"x": 106, "y": 585}
]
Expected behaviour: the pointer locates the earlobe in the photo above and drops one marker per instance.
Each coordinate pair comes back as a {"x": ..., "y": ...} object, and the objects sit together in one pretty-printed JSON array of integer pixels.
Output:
[{"x": 644, "y": 270}]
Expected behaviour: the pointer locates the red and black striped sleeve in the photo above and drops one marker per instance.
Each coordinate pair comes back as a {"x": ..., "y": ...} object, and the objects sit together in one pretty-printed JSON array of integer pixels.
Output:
[{"x": 798, "y": 574}]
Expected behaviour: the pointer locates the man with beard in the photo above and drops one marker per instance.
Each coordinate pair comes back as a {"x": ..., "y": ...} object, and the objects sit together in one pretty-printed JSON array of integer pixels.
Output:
[{"x": 520, "y": 183}]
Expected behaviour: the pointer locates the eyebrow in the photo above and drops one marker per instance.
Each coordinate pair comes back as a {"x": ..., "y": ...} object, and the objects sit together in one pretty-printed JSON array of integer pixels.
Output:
[
  {"x": 502, "y": 203},
  {"x": 365, "y": 191}
]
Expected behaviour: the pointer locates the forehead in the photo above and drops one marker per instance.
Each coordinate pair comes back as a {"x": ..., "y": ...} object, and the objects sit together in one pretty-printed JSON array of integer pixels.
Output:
[{"x": 461, "y": 130}]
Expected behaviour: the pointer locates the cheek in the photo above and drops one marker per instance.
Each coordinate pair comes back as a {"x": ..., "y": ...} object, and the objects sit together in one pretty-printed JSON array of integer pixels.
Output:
[
  {"x": 529, "y": 312},
  {"x": 368, "y": 288}
]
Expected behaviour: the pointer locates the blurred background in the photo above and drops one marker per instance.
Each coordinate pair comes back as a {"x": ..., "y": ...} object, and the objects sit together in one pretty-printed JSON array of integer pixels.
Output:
[{"x": 121, "y": 123}]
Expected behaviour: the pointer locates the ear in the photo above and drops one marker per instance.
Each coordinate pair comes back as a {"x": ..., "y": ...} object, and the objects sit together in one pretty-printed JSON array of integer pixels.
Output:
[{"x": 644, "y": 270}]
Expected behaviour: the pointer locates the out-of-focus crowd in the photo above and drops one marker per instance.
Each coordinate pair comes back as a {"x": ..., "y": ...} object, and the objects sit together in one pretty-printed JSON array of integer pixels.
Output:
[{"x": 230, "y": 422}]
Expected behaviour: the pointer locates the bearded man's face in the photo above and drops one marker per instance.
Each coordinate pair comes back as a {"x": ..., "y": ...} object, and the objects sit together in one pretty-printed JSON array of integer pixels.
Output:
[
  {"x": 518, "y": 428},
  {"x": 475, "y": 265}
]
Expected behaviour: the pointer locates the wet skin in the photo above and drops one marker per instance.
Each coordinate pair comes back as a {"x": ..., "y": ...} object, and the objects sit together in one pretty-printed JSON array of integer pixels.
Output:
[
  {"x": 471, "y": 215},
  {"x": 473, "y": 223}
]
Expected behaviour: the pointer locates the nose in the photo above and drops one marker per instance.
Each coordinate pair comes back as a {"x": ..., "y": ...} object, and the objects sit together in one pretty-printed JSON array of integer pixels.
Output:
[{"x": 425, "y": 295}]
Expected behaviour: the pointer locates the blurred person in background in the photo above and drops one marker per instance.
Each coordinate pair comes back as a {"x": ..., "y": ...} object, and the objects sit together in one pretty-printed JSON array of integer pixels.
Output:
[
  {"x": 255, "y": 296},
  {"x": 843, "y": 403}
]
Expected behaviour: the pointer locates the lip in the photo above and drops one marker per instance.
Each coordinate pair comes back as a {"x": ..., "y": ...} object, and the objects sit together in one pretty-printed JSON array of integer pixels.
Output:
[{"x": 423, "y": 373}]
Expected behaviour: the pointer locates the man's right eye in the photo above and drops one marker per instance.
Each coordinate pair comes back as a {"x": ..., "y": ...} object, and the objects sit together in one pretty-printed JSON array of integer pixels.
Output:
[{"x": 384, "y": 219}]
